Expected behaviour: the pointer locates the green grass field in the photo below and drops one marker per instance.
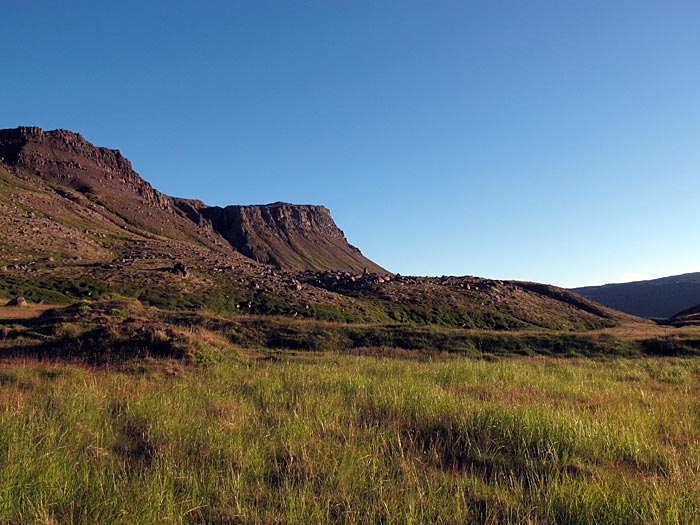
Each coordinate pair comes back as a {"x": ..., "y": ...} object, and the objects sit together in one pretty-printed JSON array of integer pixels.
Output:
[{"x": 327, "y": 438}]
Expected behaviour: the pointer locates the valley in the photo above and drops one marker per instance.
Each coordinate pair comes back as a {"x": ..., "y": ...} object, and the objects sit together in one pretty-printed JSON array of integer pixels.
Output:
[{"x": 162, "y": 360}]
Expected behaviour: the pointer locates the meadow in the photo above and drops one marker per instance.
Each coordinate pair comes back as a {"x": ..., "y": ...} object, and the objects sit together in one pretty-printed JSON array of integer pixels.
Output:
[{"x": 327, "y": 438}]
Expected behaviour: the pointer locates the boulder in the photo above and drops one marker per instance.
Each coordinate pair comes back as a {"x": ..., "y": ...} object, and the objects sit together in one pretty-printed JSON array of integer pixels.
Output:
[
  {"x": 180, "y": 269},
  {"x": 18, "y": 301}
]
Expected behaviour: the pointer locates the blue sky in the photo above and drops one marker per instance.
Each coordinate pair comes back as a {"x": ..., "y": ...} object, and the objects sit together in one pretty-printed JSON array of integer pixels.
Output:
[{"x": 544, "y": 140}]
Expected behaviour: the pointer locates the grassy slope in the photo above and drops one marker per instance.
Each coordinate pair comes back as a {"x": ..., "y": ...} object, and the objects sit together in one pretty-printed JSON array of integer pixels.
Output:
[
  {"x": 239, "y": 290},
  {"x": 117, "y": 330},
  {"x": 352, "y": 440}
]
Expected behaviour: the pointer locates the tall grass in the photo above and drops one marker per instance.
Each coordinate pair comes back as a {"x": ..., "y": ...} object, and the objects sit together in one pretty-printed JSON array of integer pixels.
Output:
[{"x": 339, "y": 439}]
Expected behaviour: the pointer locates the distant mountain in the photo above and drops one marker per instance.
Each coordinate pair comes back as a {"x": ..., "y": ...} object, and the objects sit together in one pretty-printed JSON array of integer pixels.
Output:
[
  {"x": 688, "y": 317},
  {"x": 656, "y": 298}
]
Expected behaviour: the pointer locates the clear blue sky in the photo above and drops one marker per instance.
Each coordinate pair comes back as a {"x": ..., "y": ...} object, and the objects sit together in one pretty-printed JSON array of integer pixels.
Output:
[{"x": 552, "y": 141}]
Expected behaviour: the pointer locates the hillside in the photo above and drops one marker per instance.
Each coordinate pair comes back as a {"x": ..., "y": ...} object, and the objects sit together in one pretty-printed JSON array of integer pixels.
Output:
[
  {"x": 80, "y": 223},
  {"x": 688, "y": 317},
  {"x": 656, "y": 298}
]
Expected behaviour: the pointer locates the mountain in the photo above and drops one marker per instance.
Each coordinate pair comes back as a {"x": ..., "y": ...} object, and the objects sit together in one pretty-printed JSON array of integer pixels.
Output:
[
  {"x": 79, "y": 223},
  {"x": 688, "y": 317},
  {"x": 289, "y": 236},
  {"x": 656, "y": 298},
  {"x": 284, "y": 235}
]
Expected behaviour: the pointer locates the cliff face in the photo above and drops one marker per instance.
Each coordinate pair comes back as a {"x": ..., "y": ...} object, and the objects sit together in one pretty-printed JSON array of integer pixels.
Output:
[
  {"x": 296, "y": 237},
  {"x": 285, "y": 235},
  {"x": 68, "y": 158}
]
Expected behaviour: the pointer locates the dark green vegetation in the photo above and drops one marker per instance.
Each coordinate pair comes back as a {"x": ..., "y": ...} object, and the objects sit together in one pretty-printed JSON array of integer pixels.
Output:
[
  {"x": 341, "y": 439},
  {"x": 119, "y": 330}
]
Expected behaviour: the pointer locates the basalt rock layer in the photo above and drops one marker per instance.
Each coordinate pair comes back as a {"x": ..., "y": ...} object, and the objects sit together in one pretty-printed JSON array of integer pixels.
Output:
[{"x": 289, "y": 236}]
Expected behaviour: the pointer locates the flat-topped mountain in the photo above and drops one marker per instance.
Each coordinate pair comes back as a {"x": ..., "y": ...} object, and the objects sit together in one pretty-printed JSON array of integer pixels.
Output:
[
  {"x": 78, "y": 222},
  {"x": 289, "y": 236}
]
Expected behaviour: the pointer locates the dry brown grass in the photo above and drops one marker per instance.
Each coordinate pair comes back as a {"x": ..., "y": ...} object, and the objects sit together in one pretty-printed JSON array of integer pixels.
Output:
[{"x": 23, "y": 312}]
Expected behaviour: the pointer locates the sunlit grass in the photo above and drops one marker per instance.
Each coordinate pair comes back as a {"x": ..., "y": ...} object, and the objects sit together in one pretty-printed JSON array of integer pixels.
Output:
[{"x": 338, "y": 439}]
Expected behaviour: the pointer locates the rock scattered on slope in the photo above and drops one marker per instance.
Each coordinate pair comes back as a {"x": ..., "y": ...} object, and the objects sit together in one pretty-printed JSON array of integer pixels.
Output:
[
  {"x": 180, "y": 269},
  {"x": 18, "y": 301}
]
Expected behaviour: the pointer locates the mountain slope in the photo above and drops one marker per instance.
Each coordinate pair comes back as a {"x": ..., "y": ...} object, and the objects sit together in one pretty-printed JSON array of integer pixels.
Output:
[
  {"x": 688, "y": 317},
  {"x": 656, "y": 298}
]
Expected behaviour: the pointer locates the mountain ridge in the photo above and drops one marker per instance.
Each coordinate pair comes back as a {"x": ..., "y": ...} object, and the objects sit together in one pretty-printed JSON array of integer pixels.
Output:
[{"x": 653, "y": 298}]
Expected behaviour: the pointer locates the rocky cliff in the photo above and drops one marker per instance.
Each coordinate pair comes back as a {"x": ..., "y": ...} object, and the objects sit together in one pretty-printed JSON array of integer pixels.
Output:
[
  {"x": 289, "y": 236},
  {"x": 68, "y": 158},
  {"x": 285, "y": 235}
]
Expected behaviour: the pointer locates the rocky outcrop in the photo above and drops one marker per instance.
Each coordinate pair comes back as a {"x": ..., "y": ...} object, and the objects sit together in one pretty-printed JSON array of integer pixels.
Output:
[
  {"x": 79, "y": 223},
  {"x": 295, "y": 237},
  {"x": 70, "y": 159},
  {"x": 18, "y": 301},
  {"x": 180, "y": 270}
]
